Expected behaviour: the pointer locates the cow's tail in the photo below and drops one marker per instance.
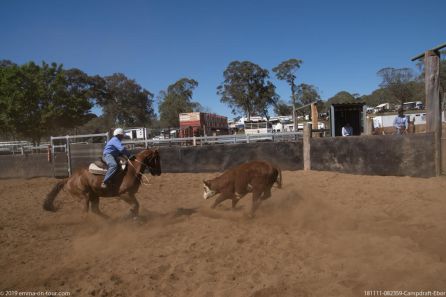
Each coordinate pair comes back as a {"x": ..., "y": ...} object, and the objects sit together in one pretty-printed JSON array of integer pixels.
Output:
[
  {"x": 48, "y": 203},
  {"x": 279, "y": 177}
]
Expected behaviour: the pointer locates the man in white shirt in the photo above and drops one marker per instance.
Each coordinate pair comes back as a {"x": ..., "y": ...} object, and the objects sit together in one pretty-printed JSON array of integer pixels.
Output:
[
  {"x": 347, "y": 130},
  {"x": 400, "y": 123}
]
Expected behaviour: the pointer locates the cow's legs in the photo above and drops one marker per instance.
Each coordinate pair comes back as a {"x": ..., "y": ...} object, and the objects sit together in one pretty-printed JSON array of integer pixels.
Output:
[
  {"x": 256, "y": 200},
  {"x": 134, "y": 204},
  {"x": 236, "y": 198},
  {"x": 266, "y": 194},
  {"x": 220, "y": 199}
]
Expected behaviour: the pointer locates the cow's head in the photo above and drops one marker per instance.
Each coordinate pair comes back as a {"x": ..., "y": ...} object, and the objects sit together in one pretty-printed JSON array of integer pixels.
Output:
[{"x": 208, "y": 192}]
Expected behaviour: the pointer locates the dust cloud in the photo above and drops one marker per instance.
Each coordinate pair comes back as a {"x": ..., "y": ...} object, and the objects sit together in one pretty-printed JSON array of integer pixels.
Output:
[{"x": 322, "y": 234}]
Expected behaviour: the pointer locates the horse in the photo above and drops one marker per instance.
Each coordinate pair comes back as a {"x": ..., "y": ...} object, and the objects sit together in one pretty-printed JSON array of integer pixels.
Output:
[{"x": 124, "y": 183}]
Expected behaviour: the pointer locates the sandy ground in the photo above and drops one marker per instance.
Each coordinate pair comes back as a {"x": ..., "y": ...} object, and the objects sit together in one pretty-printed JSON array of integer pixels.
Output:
[{"x": 322, "y": 234}]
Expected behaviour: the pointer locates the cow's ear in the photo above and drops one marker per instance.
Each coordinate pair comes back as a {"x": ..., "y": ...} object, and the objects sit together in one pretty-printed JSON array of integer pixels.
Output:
[{"x": 206, "y": 182}]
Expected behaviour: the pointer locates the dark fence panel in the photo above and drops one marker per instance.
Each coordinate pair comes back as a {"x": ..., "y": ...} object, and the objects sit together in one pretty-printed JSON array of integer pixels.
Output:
[
  {"x": 25, "y": 166},
  {"x": 287, "y": 155},
  {"x": 83, "y": 154},
  {"x": 60, "y": 164},
  {"x": 409, "y": 155}
]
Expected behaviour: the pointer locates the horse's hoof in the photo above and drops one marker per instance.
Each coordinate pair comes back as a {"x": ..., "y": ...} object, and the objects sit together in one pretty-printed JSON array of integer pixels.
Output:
[{"x": 138, "y": 220}]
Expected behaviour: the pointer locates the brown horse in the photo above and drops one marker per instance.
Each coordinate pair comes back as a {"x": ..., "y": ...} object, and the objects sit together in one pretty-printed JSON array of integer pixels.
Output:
[{"x": 125, "y": 184}]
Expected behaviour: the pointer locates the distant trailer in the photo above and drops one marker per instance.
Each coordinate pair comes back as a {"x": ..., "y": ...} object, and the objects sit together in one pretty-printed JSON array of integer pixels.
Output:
[
  {"x": 202, "y": 123},
  {"x": 258, "y": 127},
  {"x": 136, "y": 133}
]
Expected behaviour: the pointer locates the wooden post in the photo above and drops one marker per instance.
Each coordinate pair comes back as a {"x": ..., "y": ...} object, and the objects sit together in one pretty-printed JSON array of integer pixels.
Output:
[
  {"x": 433, "y": 110},
  {"x": 369, "y": 126},
  {"x": 314, "y": 118},
  {"x": 307, "y": 146}
]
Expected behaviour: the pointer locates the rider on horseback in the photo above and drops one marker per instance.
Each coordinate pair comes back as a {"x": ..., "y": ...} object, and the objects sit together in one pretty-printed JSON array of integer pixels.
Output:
[{"x": 113, "y": 149}]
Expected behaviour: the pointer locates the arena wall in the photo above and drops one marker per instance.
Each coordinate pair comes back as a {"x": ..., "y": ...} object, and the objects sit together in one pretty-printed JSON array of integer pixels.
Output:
[
  {"x": 409, "y": 155},
  {"x": 287, "y": 155}
]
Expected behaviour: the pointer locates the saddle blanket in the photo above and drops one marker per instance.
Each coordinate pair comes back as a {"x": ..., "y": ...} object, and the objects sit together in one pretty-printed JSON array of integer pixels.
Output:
[{"x": 95, "y": 169}]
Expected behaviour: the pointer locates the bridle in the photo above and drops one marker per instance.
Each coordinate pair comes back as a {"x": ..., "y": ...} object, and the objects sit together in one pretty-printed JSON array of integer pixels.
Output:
[{"x": 146, "y": 181}]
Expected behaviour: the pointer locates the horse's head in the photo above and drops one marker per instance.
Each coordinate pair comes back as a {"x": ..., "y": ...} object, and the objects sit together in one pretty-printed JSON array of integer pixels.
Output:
[{"x": 151, "y": 159}]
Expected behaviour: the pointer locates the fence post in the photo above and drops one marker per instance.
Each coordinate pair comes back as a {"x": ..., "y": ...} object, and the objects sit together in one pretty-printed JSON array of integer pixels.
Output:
[
  {"x": 314, "y": 118},
  {"x": 433, "y": 110},
  {"x": 194, "y": 140},
  {"x": 369, "y": 126},
  {"x": 68, "y": 155},
  {"x": 307, "y": 146}
]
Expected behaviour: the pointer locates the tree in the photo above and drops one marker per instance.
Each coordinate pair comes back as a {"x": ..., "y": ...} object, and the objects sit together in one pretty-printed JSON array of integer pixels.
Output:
[
  {"x": 397, "y": 81},
  {"x": 124, "y": 102},
  {"x": 246, "y": 89},
  {"x": 38, "y": 101},
  {"x": 307, "y": 94},
  {"x": 378, "y": 96},
  {"x": 281, "y": 108},
  {"x": 6, "y": 63},
  {"x": 177, "y": 99},
  {"x": 287, "y": 71}
]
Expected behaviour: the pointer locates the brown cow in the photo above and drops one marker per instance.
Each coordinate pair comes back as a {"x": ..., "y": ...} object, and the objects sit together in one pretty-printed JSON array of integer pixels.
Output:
[{"x": 257, "y": 177}]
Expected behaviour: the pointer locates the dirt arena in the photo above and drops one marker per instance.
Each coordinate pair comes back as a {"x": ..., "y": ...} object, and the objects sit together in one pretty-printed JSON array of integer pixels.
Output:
[{"x": 322, "y": 234}]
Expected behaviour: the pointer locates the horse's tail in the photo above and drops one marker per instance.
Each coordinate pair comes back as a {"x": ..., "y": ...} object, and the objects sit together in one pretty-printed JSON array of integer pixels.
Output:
[{"x": 48, "y": 203}]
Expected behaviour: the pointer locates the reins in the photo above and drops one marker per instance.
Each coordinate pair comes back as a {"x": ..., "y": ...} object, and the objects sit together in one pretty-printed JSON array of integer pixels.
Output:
[{"x": 145, "y": 182}]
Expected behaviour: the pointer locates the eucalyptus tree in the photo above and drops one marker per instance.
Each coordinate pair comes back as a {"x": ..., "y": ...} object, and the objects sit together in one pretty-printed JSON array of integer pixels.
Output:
[
  {"x": 246, "y": 89},
  {"x": 287, "y": 71},
  {"x": 175, "y": 100}
]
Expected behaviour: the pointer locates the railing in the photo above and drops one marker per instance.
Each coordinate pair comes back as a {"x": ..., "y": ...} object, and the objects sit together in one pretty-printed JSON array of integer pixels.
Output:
[
  {"x": 60, "y": 143},
  {"x": 221, "y": 139},
  {"x": 22, "y": 147}
]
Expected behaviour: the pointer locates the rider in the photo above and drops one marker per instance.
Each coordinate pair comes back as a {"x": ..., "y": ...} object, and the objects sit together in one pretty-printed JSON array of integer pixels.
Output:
[{"x": 112, "y": 150}]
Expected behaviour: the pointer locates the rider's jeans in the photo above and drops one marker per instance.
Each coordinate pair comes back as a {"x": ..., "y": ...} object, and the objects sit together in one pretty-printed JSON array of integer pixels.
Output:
[{"x": 112, "y": 167}]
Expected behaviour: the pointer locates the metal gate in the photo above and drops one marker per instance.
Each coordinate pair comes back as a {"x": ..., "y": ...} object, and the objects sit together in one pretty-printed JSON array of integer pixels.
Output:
[{"x": 70, "y": 152}]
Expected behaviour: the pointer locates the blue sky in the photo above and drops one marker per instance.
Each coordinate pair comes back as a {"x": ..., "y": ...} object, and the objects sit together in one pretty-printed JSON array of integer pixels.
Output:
[{"x": 342, "y": 43}]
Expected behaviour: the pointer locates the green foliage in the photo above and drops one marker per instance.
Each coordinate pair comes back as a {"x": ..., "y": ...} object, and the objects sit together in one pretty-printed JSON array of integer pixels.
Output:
[
  {"x": 41, "y": 100},
  {"x": 342, "y": 97},
  {"x": 124, "y": 102},
  {"x": 37, "y": 101},
  {"x": 398, "y": 82},
  {"x": 307, "y": 94},
  {"x": 379, "y": 96},
  {"x": 247, "y": 89},
  {"x": 177, "y": 99},
  {"x": 287, "y": 70},
  {"x": 281, "y": 108}
]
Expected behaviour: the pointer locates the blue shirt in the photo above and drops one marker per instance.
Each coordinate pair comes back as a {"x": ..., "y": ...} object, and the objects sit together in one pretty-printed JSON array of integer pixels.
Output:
[
  {"x": 115, "y": 148},
  {"x": 400, "y": 123}
]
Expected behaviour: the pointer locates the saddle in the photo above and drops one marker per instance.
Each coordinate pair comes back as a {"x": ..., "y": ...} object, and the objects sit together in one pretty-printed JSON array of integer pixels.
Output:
[{"x": 99, "y": 166}]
